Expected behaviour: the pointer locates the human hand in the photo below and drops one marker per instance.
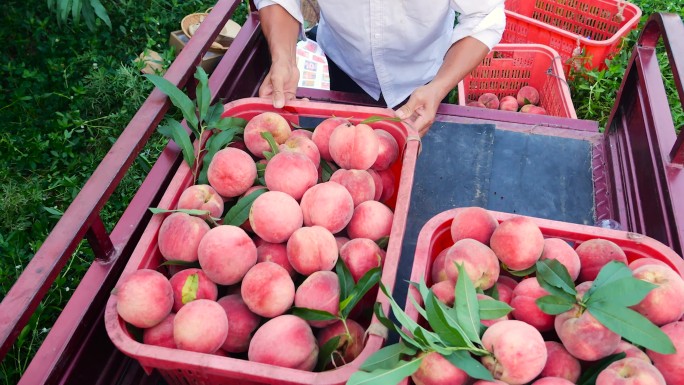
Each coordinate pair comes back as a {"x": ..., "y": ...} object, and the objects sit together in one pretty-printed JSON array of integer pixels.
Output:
[
  {"x": 421, "y": 108},
  {"x": 280, "y": 83}
]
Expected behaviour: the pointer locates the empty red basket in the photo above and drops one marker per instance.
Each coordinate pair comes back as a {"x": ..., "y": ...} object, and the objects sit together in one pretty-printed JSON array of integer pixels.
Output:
[
  {"x": 508, "y": 67},
  {"x": 595, "y": 26}
]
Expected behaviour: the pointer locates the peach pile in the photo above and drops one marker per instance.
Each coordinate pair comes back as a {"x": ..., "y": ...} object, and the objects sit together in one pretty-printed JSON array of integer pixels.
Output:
[{"x": 526, "y": 100}]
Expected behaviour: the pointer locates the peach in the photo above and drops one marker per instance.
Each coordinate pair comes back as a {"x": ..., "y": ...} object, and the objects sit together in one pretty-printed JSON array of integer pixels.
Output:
[
  {"x": 245, "y": 225},
  {"x": 226, "y": 253},
  {"x": 265, "y": 122},
  {"x": 200, "y": 326},
  {"x": 377, "y": 181},
  {"x": 495, "y": 382},
  {"x": 525, "y": 308},
  {"x": 508, "y": 103},
  {"x": 473, "y": 222},
  {"x": 583, "y": 336},
  {"x": 517, "y": 351},
  {"x": 359, "y": 183},
  {"x": 476, "y": 103},
  {"x": 274, "y": 216},
  {"x": 290, "y": 172},
  {"x": 434, "y": 369},
  {"x": 665, "y": 303},
  {"x": 354, "y": 147},
  {"x": 302, "y": 145},
  {"x": 507, "y": 281},
  {"x": 561, "y": 363},
  {"x": 341, "y": 241},
  {"x": 646, "y": 261},
  {"x": 241, "y": 323},
  {"x": 527, "y": 95},
  {"x": 180, "y": 235},
  {"x": 371, "y": 219},
  {"x": 536, "y": 110},
  {"x": 517, "y": 242},
  {"x": 320, "y": 291},
  {"x": 438, "y": 269},
  {"x": 231, "y": 172},
  {"x": 351, "y": 341},
  {"x": 479, "y": 262},
  {"x": 161, "y": 334},
  {"x": 489, "y": 100},
  {"x": 267, "y": 289},
  {"x": 276, "y": 253},
  {"x": 300, "y": 132},
  {"x": 445, "y": 291},
  {"x": 560, "y": 250},
  {"x": 631, "y": 351},
  {"x": 201, "y": 197},
  {"x": 327, "y": 204},
  {"x": 505, "y": 286},
  {"x": 285, "y": 341},
  {"x": 552, "y": 381},
  {"x": 322, "y": 132},
  {"x": 594, "y": 254},
  {"x": 144, "y": 298},
  {"x": 361, "y": 255},
  {"x": 312, "y": 249},
  {"x": 388, "y": 184},
  {"x": 630, "y": 371},
  {"x": 206, "y": 289},
  {"x": 671, "y": 365},
  {"x": 388, "y": 151}
]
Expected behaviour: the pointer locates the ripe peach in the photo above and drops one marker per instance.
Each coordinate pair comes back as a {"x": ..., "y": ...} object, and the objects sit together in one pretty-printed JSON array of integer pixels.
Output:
[
  {"x": 201, "y": 197},
  {"x": 377, "y": 181},
  {"x": 476, "y": 103},
  {"x": 438, "y": 269},
  {"x": 388, "y": 184},
  {"x": 231, "y": 172},
  {"x": 302, "y": 145},
  {"x": 161, "y": 334},
  {"x": 646, "y": 261},
  {"x": 341, "y": 241},
  {"x": 490, "y": 100},
  {"x": 290, "y": 172},
  {"x": 495, "y": 382},
  {"x": 671, "y": 365},
  {"x": 274, "y": 216},
  {"x": 445, "y": 292},
  {"x": 265, "y": 122},
  {"x": 312, "y": 249},
  {"x": 226, "y": 253},
  {"x": 144, "y": 298},
  {"x": 630, "y": 371},
  {"x": 371, "y": 219},
  {"x": 473, "y": 222},
  {"x": 359, "y": 183},
  {"x": 320, "y": 291},
  {"x": 285, "y": 341},
  {"x": 560, "y": 250},
  {"x": 206, "y": 289},
  {"x": 351, "y": 344},
  {"x": 180, "y": 235},
  {"x": 552, "y": 381},
  {"x": 518, "y": 353},
  {"x": 508, "y": 103},
  {"x": 276, "y": 253},
  {"x": 301, "y": 132},
  {"x": 631, "y": 351},
  {"x": 354, "y": 147},
  {"x": 528, "y": 95},
  {"x": 665, "y": 303},
  {"x": 525, "y": 308},
  {"x": 388, "y": 151},
  {"x": 267, "y": 289},
  {"x": 479, "y": 262},
  {"x": 594, "y": 254},
  {"x": 322, "y": 132},
  {"x": 434, "y": 369},
  {"x": 583, "y": 336},
  {"x": 517, "y": 242},
  {"x": 361, "y": 255},
  {"x": 200, "y": 326},
  {"x": 327, "y": 204},
  {"x": 505, "y": 286},
  {"x": 561, "y": 363},
  {"x": 241, "y": 323}
]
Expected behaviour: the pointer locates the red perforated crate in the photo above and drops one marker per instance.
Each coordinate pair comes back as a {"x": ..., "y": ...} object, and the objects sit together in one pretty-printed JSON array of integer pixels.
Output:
[
  {"x": 185, "y": 367},
  {"x": 588, "y": 31},
  {"x": 509, "y": 67}
]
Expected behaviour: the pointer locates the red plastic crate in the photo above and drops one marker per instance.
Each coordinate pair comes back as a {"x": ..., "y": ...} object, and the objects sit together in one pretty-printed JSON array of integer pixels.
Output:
[
  {"x": 185, "y": 367},
  {"x": 509, "y": 67},
  {"x": 592, "y": 25}
]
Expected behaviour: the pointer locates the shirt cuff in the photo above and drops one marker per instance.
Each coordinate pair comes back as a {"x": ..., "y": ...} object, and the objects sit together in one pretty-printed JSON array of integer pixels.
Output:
[
  {"x": 291, "y": 6},
  {"x": 488, "y": 29}
]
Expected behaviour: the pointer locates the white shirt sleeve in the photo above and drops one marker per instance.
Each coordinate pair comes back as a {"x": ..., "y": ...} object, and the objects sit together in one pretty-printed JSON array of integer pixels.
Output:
[
  {"x": 484, "y": 20},
  {"x": 291, "y": 6}
]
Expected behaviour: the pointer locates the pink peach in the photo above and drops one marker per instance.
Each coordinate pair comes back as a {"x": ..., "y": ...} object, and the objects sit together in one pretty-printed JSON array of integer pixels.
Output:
[
  {"x": 594, "y": 254},
  {"x": 583, "y": 336},
  {"x": 265, "y": 122},
  {"x": 180, "y": 235},
  {"x": 206, "y": 289},
  {"x": 274, "y": 216},
  {"x": 327, "y": 204},
  {"x": 354, "y": 147},
  {"x": 434, "y": 369},
  {"x": 201, "y": 197},
  {"x": 371, "y": 219},
  {"x": 561, "y": 363},
  {"x": 377, "y": 181},
  {"x": 226, "y": 253},
  {"x": 312, "y": 249},
  {"x": 528, "y": 95},
  {"x": 285, "y": 341},
  {"x": 161, "y": 334},
  {"x": 359, "y": 183},
  {"x": 560, "y": 250},
  {"x": 231, "y": 172},
  {"x": 144, "y": 298},
  {"x": 473, "y": 222},
  {"x": 665, "y": 303},
  {"x": 267, "y": 289},
  {"x": 490, "y": 100},
  {"x": 351, "y": 340},
  {"x": 388, "y": 151},
  {"x": 525, "y": 308},
  {"x": 303, "y": 145},
  {"x": 241, "y": 323},
  {"x": 322, "y": 132},
  {"x": 518, "y": 352},
  {"x": 630, "y": 371},
  {"x": 517, "y": 242},
  {"x": 276, "y": 253},
  {"x": 361, "y": 255},
  {"x": 478, "y": 260},
  {"x": 200, "y": 326},
  {"x": 508, "y": 103},
  {"x": 320, "y": 291},
  {"x": 671, "y": 365},
  {"x": 290, "y": 172}
]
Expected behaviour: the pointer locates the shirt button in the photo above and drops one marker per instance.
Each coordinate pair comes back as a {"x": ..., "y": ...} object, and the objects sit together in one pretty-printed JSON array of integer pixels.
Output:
[{"x": 377, "y": 35}]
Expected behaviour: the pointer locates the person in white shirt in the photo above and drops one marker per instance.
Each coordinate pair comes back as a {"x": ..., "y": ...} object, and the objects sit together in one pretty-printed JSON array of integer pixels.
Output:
[{"x": 392, "y": 49}]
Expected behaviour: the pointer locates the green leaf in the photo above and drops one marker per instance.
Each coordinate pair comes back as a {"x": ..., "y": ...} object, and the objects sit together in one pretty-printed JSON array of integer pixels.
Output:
[
  {"x": 175, "y": 262},
  {"x": 213, "y": 115},
  {"x": 326, "y": 170},
  {"x": 325, "y": 353},
  {"x": 555, "y": 274},
  {"x": 239, "y": 213},
  {"x": 522, "y": 273},
  {"x": 225, "y": 123},
  {"x": 190, "y": 287},
  {"x": 214, "y": 144},
  {"x": 466, "y": 305},
  {"x": 422, "y": 289},
  {"x": 444, "y": 323},
  {"x": 177, "y": 133},
  {"x": 383, "y": 242},
  {"x": 631, "y": 326},
  {"x": 388, "y": 376},
  {"x": 88, "y": 15},
  {"x": 554, "y": 305},
  {"x": 178, "y": 98},
  {"x": 464, "y": 361},
  {"x": 194, "y": 212},
  {"x": 346, "y": 282},
  {"x": 380, "y": 315},
  {"x": 272, "y": 143},
  {"x": 101, "y": 12},
  {"x": 417, "y": 306},
  {"x": 493, "y": 309},
  {"x": 312, "y": 314},
  {"x": 377, "y": 118},
  {"x": 202, "y": 92},
  {"x": 403, "y": 318},
  {"x": 625, "y": 292},
  {"x": 589, "y": 375},
  {"x": 76, "y": 7},
  {"x": 366, "y": 282},
  {"x": 387, "y": 357},
  {"x": 493, "y": 291},
  {"x": 434, "y": 343},
  {"x": 612, "y": 271}
]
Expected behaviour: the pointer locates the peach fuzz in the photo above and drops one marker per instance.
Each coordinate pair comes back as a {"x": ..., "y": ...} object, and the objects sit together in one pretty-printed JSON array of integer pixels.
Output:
[
  {"x": 630, "y": 371},
  {"x": 341, "y": 241},
  {"x": 438, "y": 270},
  {"x": 445, "y": 291},
  {"x": 241, "y": 323},
  {"x": 594, "y": 254},
  {"x": 518, "y": 353},
  {"x": 388, "y": 151},
  {"x": 276, "y": 253},
  {"x": 327, "y": 204},
  {"x": 479, "y": 262},
  {"x": 200, "y": 326},
  {"x": 161, "y": 334},
  {"x": 144, "y": 298},
  {"x": 377, "y": 181},
  {"x": 320, "y": 291},
  {"x": 290, "y": 172},
  {"x": 525, "y": 308},
  {"x": 671, "y": 365},
  {"x": 201, "y": 197},
  {"x": 302, "y": 145},
  {"x": 505, "y": 286},
  {"x": 226, "y": 253},
  {"x": 561, "y": 363},
  {"x": 527, "y": 95},
  {"x": 583, "y": 336},
  {"x": 322, "y": 132},
  {"x": 300, "y": 132},
  {"x": 665, "y": 303},
  {"x": 388, "y": 184},
  {"x": 631, "y": 351},
  {"x": 476, "y": 103},
  {"x": 206, "y": 289},
  {"x": 180, "y": 235},
  {"x": 372, "y": 220},
  {"x": 274, "y": 216},
  {"x": 534, "y": 110},
  {"x": 517, "y": 242},
  {"x": 265, "y": 122},
  {"x": 434, "y": 369},
  {"x": 361, "y": 255},
  {"x": 473, "y": 222},
  {"x": 489, "y": 100},
  {"x": 285, "y": 341},
  {"x": 351, "y": 344},
  {"x": 560, "y": 250},
  {"x": 646, "y": 261},
  {"x": 359, "y": 183},
  {"x": 354, "y": 147},
  {"x": 267, "y": 289},
  {"x": 508, "y": 103},
  {"x": 552, "y": 381},
  {"x": 231, "y": 172},
  {"x": 312, "y": 249}
]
